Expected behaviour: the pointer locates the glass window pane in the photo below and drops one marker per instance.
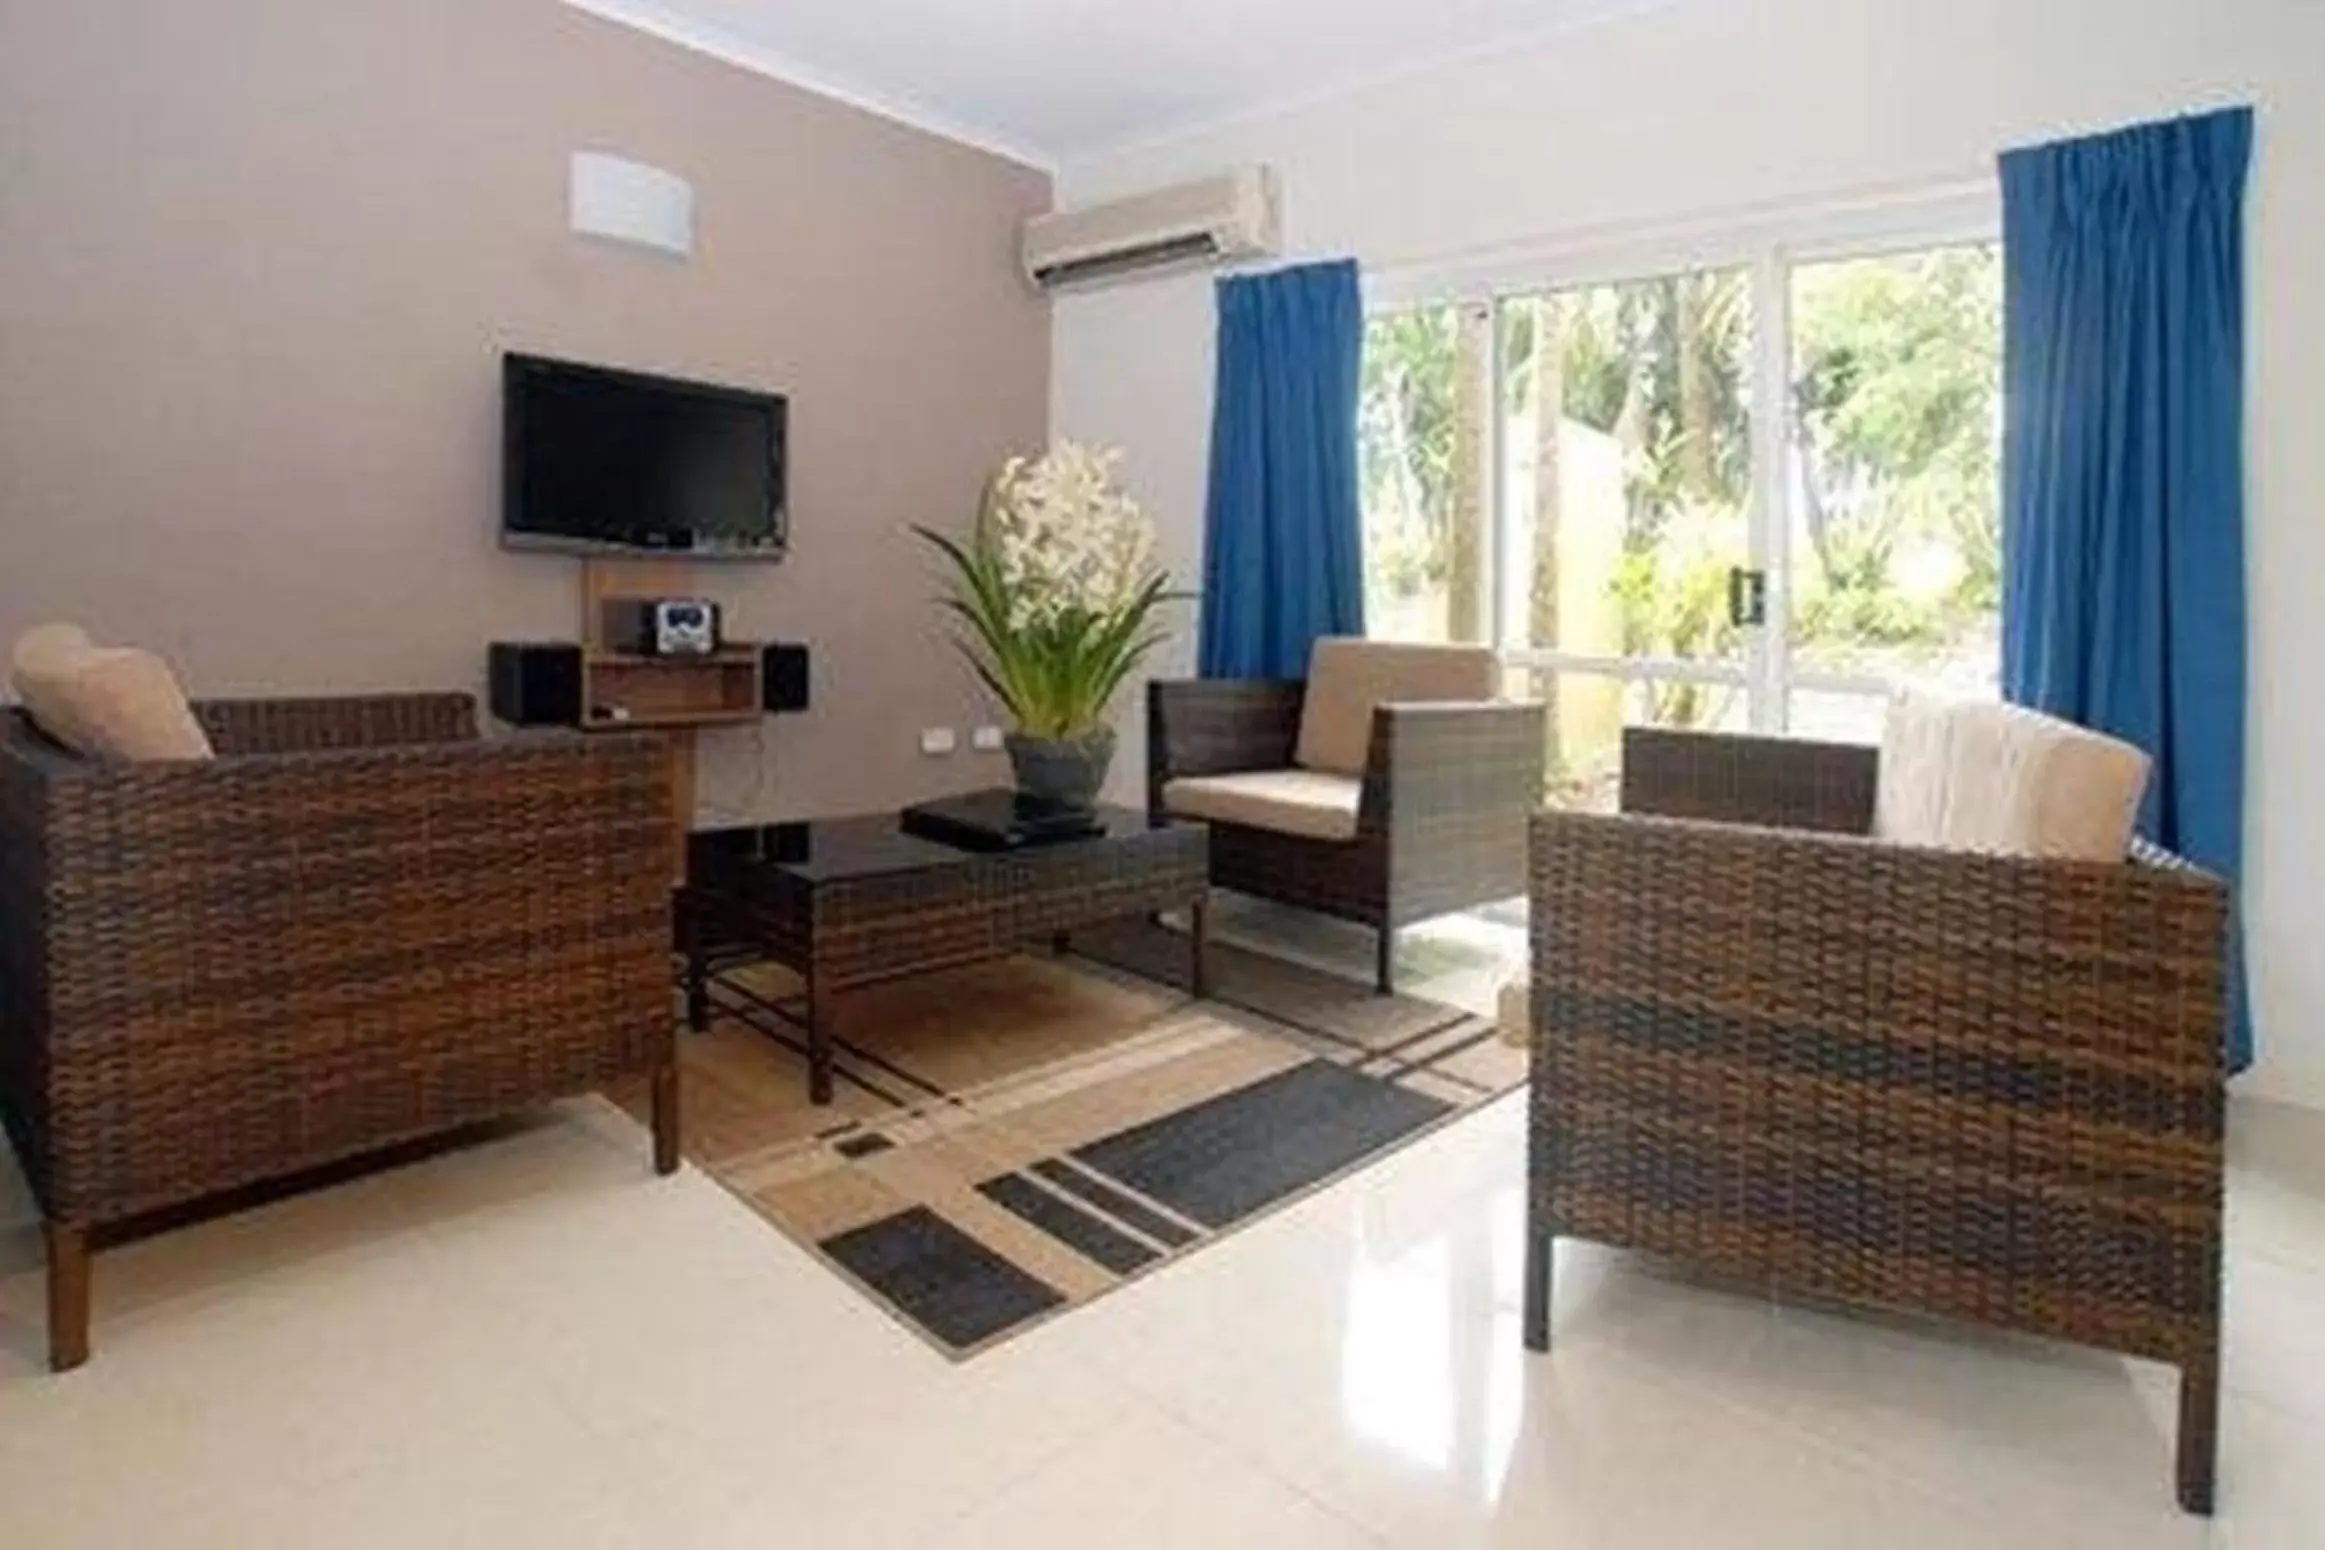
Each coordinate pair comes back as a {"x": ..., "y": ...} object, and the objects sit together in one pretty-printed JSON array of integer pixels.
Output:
[
  {"x": 1422, "y": 454},
  {"x": 1895, "y": 485},
  {"x": 1626, "y": 463},
  {"x": 1586, "y": 714}
]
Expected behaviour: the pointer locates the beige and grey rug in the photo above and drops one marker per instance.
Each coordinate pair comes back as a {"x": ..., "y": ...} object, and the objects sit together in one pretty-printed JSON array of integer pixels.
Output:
[{"x": 1013, "y": 1140}]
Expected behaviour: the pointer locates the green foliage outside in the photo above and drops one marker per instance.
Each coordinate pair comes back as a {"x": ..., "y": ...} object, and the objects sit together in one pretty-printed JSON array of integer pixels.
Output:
[
  {"x": 1406, "y": 440},
  {"x": 1895, "y": 405},
  {"x": 1895, "y": 387}
]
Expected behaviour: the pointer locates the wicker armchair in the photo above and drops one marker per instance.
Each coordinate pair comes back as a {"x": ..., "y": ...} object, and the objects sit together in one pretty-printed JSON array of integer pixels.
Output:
[
  {"x": 1439, "y": 807},
  {"x": 359, "y": 925},
  {"x": 1968, "y": 1085}
]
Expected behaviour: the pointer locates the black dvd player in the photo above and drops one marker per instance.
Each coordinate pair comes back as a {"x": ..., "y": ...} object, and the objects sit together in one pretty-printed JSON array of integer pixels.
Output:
[{"x": 998, "y": 820}]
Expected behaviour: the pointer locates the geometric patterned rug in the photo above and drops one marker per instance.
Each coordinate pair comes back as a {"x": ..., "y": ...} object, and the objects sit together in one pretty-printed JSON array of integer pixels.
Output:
[{"x": 1012, "y": 1140}]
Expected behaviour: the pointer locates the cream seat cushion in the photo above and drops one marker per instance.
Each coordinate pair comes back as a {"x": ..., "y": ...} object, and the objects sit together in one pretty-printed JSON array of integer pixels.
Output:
[
  {"x": 2005, "y": 780},
  {"x": 1311, "y": 803},
  {"x": 1349, "y": 676},
  {"x": 106, "y": 702}
]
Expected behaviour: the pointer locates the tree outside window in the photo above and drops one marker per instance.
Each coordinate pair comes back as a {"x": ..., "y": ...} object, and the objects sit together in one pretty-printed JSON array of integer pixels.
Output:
[{"x": 1625, "y": 433}]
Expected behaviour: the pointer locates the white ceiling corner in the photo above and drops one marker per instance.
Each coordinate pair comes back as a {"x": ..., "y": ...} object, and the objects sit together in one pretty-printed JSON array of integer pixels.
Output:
[
  {"x": 1049, "y": 81},
  {"x": 684, "y": 22}
]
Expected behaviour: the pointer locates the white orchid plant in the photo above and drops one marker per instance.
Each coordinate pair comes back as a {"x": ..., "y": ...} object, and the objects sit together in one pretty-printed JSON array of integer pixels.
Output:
[{"x": 1059, "y": 589}]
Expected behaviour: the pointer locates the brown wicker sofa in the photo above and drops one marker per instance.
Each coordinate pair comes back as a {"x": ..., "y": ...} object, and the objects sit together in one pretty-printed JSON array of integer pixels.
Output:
[
  {"x": 1407, "y": 784},
  {"x": 1968, "y": 1085},
  {"x": 359, "y": 925}
]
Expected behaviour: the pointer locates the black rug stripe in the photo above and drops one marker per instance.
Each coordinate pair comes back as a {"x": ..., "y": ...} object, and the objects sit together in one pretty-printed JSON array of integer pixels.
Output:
[
  {"x": 1072, "y": 1226},
  {"x": 941, "y": 1278},
  {"x": 1480, "y": 1034},
  {"x": 1133, "y": 1214},
  {"x": 1227, "y": 1157},
  {"x": 1393, "y": 1052}
]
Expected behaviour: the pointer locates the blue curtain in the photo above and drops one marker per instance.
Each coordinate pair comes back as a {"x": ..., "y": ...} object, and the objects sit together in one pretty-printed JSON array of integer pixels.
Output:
[
  {"x": 1283, "y": 557},
  {"x": 2122, "y": 466}
]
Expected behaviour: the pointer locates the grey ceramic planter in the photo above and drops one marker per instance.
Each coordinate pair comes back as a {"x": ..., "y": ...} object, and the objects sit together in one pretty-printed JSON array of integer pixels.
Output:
[{"x": 1066, "y": 771}]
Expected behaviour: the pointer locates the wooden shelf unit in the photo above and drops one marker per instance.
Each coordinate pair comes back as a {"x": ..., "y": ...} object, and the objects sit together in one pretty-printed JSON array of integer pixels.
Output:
[
  {"x": 676, "y": 721},
  {"x": 728, "y": 655},
  {"x": 675, "y": 695},
  {"x": 619, "y": 690}
]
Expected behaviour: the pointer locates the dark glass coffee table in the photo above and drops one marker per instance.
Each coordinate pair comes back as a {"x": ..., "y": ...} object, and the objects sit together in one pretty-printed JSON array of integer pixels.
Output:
[{"x": 848, "y": 902}]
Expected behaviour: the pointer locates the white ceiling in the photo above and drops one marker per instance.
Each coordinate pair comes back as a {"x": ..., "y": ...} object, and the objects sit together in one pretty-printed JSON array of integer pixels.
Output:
[{"x": 1051, "y": 80}]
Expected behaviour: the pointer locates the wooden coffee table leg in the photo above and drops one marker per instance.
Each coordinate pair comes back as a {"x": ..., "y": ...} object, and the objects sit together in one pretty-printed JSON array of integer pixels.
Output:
[
  {"x": 68, "y": 1295},
  {"x": 665, "y": 1090},
  {"x": 697, "y": 965},
  {"x": 1198, "y": 949},
  {"x": 819, "y": 1042}
]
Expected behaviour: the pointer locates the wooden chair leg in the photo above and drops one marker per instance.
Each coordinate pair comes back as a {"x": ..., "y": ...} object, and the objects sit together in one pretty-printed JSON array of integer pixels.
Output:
[
  {"x": 666, "y": 1129},
  {"x": 68, "y": 1295},
  {"x": 2199, "y": 1433}
]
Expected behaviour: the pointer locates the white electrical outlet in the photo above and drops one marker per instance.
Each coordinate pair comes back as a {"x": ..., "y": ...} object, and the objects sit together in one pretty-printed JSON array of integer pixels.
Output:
[
  {"x": 986, "y": 739},
  {"x": 936, "y": 742}
]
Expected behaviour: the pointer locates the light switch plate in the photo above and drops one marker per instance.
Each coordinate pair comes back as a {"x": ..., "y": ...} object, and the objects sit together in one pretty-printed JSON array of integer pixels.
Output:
[{"x": 937, "y": 741}]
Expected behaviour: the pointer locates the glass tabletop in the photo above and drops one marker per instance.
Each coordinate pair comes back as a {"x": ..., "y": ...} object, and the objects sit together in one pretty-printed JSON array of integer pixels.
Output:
[{"x": 865, "y": 845}]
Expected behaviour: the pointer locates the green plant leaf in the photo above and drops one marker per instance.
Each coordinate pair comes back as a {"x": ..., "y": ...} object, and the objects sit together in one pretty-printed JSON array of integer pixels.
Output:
[{"x": 1055, "y": 669}]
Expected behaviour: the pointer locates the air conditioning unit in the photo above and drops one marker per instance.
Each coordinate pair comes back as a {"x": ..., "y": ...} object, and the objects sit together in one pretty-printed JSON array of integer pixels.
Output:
[{"x": 1237, "y": 215}]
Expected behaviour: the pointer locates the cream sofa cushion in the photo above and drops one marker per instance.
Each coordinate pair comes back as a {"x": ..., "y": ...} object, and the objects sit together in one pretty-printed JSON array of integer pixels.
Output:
[
  {"x": 1311, "y": 803},
  {"x": 1348, "y": 676},
  {"x": 107, "y": 702},
  {"x": 2005, "y": 780},
  {"x": 1909, "y": 794}
]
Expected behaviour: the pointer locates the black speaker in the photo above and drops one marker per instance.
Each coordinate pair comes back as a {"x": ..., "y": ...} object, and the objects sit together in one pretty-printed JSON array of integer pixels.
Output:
[
  {"x": 535, "y": 683},
  {"x": 783, "y": 676}
]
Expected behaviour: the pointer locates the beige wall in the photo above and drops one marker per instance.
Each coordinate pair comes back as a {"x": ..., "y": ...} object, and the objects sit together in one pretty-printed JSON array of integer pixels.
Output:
[{"x": 258, "y": 259}]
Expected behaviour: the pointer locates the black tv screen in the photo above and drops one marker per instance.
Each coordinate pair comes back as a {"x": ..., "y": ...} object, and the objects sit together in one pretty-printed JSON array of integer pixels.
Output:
[{"x": 597, "y": 461}]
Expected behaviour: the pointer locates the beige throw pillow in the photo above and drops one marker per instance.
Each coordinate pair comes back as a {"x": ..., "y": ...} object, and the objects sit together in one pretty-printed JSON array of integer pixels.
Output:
[
  {"x": 106, "y": 702},
  {"x": 1909, "y": 794},
  {"x": 42, "y": 663},
  {"x": 2026, "y": 784},
  {"x": 2004, "y": 780}
]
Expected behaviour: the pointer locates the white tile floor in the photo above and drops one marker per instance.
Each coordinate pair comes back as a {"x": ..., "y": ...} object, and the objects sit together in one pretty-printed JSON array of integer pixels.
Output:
[{"x": 539, "y": 1343}]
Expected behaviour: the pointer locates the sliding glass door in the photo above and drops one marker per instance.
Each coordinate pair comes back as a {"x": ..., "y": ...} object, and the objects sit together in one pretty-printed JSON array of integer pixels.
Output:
[
  {"x": 1626, "y": 455},
  {"x": 1752, "y": 496}
]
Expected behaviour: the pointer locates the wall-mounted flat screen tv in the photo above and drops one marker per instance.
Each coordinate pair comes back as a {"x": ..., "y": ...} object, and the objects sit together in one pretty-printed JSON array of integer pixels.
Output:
[{"x": 598, "y": 461}]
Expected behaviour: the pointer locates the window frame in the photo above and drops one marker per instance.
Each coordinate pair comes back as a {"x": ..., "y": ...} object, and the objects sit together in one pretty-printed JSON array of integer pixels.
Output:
[{"x": 1767, "y": 242}]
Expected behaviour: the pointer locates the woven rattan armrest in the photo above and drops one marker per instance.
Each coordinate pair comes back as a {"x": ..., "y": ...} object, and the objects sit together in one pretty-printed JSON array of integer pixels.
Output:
[
  {"x": 329, "y": 856},
  {"x": 1437, "y": 762},
  {"x": 289, "y": 725},
  {"x": 1789, "y": 924},
  {"x": 1218, "y": 726},
  {"x": 1779, "y": 782}
]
